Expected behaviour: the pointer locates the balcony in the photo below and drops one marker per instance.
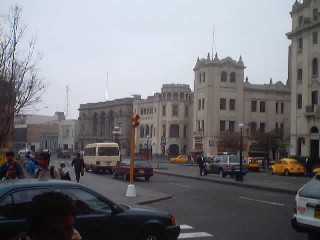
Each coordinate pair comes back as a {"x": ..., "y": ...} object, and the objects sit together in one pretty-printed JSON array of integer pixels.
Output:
[{"x": 312, "y": 111}]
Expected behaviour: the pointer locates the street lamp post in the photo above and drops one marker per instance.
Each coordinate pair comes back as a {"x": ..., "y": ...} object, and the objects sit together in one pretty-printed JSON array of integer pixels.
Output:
[{"x": 240, "y": 175}]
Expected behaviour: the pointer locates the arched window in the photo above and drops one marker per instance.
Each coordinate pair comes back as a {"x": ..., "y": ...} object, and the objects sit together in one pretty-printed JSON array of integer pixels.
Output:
[
  {"x": 102, "y": 124},
  {"x": 174, "y": 131},
  {"x": 141, "y": 131},
  {"x": 147, "y": 133},
  {"x": 95, "y": 124},
  {"x": 233, "y": 77},
  {"x": 315, "y": 67},
  {"x": 151, "y": 131},
  {"x": 224, "y": 76}
]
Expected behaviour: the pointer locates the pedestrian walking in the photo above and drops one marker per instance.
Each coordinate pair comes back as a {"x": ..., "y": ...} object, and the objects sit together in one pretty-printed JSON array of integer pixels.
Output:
[
  {"x": 78, "y": 165},
  {"x": 201, "y": 163},
  {"x": 63, "y": 172},
  {"x": 44, "y": 172},
  {"x": 11, "y": 169}
]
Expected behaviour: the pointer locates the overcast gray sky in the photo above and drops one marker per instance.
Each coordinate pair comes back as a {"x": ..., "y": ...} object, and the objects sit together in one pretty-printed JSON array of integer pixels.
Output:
[{"x": 145, "y": 43}]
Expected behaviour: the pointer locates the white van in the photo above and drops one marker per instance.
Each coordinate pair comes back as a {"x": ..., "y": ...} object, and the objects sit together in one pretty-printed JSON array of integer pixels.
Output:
[{"x": 101, "y": 156}]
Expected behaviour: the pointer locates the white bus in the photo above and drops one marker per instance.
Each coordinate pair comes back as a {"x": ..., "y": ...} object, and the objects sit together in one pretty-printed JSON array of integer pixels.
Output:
[{"x": 101, "y": 156}]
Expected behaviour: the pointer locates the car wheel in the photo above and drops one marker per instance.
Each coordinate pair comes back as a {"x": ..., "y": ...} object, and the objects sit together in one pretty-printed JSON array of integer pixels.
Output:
[
  {"x": 286, "y": 172},
  {"x": 147, "y": 179},
  {"x": 151, "y": 235},
  {"x": 114, "y": 175},
  {"x": 221, "y": 173}
]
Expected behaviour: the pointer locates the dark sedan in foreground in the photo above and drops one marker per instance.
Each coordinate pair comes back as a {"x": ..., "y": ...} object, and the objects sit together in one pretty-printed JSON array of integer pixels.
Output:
[
  {"x": 142, "y": 169},
  {"x": 97, "y": 217}
]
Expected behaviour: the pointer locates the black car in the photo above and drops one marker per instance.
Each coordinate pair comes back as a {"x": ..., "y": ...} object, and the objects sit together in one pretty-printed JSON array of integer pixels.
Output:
[{"x": 97, "y": 217}]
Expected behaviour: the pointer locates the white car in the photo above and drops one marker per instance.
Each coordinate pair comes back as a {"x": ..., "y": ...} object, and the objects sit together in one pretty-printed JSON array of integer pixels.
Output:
[{"x": 307, "y": 212}]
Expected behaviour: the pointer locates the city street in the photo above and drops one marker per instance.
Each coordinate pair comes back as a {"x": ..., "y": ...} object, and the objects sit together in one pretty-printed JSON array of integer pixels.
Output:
[{"x": 215, "y": 211}]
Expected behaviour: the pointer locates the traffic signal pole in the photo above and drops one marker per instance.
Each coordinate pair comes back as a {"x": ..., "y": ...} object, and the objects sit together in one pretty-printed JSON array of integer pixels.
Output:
[{"x": 132, "y": 154}]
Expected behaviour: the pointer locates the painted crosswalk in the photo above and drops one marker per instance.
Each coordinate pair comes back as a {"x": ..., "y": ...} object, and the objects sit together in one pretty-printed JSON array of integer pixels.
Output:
[{"x": 187, "y": 232}]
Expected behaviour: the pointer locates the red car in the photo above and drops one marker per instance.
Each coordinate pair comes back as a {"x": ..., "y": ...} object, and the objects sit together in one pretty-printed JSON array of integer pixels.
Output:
[{"x": 142, "y": 169}]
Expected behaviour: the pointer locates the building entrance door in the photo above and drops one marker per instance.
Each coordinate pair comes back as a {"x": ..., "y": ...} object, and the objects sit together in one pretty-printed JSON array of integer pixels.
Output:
[{"x": 314, "y": 145}]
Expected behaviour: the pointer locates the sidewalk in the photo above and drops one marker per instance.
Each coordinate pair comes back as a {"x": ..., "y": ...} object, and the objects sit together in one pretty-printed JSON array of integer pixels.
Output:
[
  {"x": 115, "y": 189},
  {"x": 256, "y": 180}
]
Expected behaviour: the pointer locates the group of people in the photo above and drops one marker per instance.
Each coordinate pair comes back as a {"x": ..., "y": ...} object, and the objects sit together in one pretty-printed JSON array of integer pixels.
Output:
[{"x": 39, "y": 168}]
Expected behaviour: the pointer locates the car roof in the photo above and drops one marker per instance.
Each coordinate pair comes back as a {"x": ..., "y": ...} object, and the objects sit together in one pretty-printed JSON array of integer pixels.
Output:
[
  {"x": 288, "y": 159},
  {"x": 9, "y": 185},
  {"x": 102, "y": 145}
]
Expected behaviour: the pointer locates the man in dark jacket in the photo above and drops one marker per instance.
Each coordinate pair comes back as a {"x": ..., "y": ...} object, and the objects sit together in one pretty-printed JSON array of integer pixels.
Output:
[
  {"x": 78, "y": 165},
  {"x": 201, "y": 163}
]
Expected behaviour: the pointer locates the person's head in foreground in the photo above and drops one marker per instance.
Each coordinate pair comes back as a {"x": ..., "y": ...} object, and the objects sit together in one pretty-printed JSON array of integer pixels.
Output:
[{"x": 52, "y": 217}]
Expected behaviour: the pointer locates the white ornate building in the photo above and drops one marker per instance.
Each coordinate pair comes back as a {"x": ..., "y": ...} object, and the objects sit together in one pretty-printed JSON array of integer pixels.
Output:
[
  {"x": 166, "y": 115},
  {"x": 223, "y": 100},
  {"x": 304, "y": 55}
]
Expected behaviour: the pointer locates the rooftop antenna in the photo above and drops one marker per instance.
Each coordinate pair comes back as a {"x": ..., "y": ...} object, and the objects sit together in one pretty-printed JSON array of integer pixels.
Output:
[
  {"x": 67, "y": 101},
  {"x": 106, "y": 93},
  {"x": 213, "y": 42}
]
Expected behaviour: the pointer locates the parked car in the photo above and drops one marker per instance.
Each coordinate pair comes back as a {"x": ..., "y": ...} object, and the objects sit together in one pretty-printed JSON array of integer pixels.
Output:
[
  {"x": 253, "y": 164},
  {"x": 225, "y": 164},
  {"x": 97, "y": 217},
  {"x": 307, "y": 212},
  {"x": 142, "y": 169},
  {"x": 181, "y": 159},
  {"x": 288, "y": 166}
]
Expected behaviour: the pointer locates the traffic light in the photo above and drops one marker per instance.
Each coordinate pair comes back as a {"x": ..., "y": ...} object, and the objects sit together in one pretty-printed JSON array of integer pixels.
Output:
[{"x": 135, "y": 120}]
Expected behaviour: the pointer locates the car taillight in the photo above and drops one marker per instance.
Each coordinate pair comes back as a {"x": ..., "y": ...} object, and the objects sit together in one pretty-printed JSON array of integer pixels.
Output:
[
  {"x": 173, "y": 220},
  {"x": 301, "y": 210}
]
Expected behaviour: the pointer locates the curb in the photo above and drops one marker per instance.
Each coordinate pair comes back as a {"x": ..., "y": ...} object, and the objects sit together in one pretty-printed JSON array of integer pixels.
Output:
[
  {"x": 237, "y": 184},
  {"x": 154, "y": 200}
]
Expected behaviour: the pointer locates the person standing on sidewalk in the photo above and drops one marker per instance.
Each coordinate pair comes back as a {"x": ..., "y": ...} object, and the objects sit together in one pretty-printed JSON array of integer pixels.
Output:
[
  {"x": 201, "y": 164},
  {"x": 44, "y": 173},
  {"x": 78, "y": 165},
  {"x": 11, "y": 169}
]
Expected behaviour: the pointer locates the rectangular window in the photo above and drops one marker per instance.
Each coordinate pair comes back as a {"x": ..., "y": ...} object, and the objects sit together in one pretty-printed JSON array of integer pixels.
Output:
[
  {"x": 299, "y": 74},
  {"x": 223, "y": 103},
  {"x": 282, "y": 108},
  {"x": 277, "y": 127},
  {"x": 232, "y": 104},
  {"x": 164, "y": 130},
  {"x": 281, "y": 128},
  {"x": 185, "y": 131},
  {"x": 164, "y": 110},
  {"x": 262, "y": 127},
  {"x": 204, "y": 77},
  {"x": 232, "y": 125},
  {"x": 202, "y": 127},
  {"x": 300, "y": 21},
  {"x": 203, "y": 101},
  {"x": 314, "y": 97},
  {"x": 186, "y": 111},
  {"x": 262, "y": 106},
  {"x": 253, "y": 106},
  {"x": 300, "y": 43},
  {"x": 198, "y": 125},
  {"x": 315, "y": 37},
  {"x": 222, "y": 125},
  {"x": 315, "y": 14},
  {"x": 199, "y": 104},
  {"x": 175, "y": 110},
  {"x": 253, "y": 128},
  {"x": 200, "y": 77},
  {"x": 277, "y": 107},
  {"x": 299, "y": 101}
]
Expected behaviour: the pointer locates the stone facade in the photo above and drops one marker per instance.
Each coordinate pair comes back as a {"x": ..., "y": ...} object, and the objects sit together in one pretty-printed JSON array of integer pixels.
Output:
[
  {"x": 167, "y": 115},
  {"x": 304, "y": 56},
  {"x": 68, "y": 135},
  {"x": 223, "y": 100},
  {"x": 98, "y": 120}
]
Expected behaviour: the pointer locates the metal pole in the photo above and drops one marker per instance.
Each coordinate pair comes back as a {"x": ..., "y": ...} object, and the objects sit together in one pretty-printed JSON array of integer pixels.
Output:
[
  {"x": 241, "y": 146},
  {"x": 132, "y": 155}
]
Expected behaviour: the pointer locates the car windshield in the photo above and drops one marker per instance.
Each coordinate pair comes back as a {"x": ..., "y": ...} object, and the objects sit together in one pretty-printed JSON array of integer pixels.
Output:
[
  {"x": 137, "y": 163},
  {"x": 234, "y": 159}
]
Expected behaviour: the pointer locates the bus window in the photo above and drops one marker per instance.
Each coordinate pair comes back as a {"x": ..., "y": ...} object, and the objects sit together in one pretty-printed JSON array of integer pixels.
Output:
[
  {"x": 90, "y": 151},
  {"x": 108, "y": 151}
]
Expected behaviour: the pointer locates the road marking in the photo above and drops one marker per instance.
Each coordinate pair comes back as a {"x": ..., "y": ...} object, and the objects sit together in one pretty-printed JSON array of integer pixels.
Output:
[
  {"x": 181, "y": 185},
  {"x": 263, "y": 201},
  {"x": 194, "y": 235},
  {"x": 185, "y": 227}
]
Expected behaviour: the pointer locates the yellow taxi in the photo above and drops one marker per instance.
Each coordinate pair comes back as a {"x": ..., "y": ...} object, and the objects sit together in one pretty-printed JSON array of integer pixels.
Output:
[
  {"x": 316, "y": 171},
  {"x": 288, "y": 166},
  {"x": 253, "y": 164},
  {"x": 181, "y": 159}
]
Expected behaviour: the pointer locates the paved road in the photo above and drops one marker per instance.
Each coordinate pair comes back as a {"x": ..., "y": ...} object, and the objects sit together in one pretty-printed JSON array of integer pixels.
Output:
[{"x": 215, "y": 211}]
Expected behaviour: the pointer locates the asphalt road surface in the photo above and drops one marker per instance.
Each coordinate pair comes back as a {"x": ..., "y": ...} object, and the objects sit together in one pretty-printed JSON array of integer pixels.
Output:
[{"x": 220, "y": 212}]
